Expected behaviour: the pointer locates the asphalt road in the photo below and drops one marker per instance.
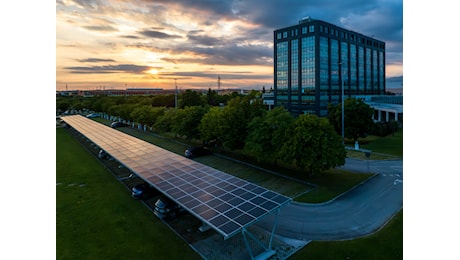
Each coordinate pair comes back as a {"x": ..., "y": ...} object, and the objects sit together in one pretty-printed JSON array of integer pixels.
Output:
[{"x": 359, "y": 212}]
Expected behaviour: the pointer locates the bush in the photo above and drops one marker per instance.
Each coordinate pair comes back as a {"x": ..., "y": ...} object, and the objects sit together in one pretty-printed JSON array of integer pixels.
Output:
[{"x": 385, "y": 128}]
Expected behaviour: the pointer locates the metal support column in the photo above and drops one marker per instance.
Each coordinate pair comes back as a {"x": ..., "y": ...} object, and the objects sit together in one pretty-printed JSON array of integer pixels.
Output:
[{"x": 268, "y": 251}]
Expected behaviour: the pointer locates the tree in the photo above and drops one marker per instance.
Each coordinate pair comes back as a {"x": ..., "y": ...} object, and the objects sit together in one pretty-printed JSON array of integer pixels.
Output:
[
  {"x": 358, "y": 118},
  {"x": 187, "y": 125},
  {"x": 312, "y": 144},
  {"x": 122, "y": 110},
  {"x": 267, "y": 133},
  {"x": 164, "y": 100},
  {"x": 211, "y": 126},
  {"x": 212, "y": 98},
  {"x": 176, "y": 121},
  {"x": 78, "y": 106},
  {"x": 146, "y": 114},
  {"x": 164, "y": 122},
  {"x": 190, "y": 98},
  {"x": 63, "y": 105},
  {"x": 233, "y": 126},
  {"x": 236, "y": 117}
]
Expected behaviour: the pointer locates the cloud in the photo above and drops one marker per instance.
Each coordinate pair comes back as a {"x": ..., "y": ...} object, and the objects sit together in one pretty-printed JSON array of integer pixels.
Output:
[
  {"x": 102, "y": 28},
  {"x": 227, "y": 55},
  {"x": 183, "y": 35},
  {"x": 157, "y": 34},
  {"x": 126, "y": 68},
  {"x": 381, "y": 18},
  {"x": 218, "y": 7},
  {"x": 92, "y": 4},
  {"x": 95, "y": 60},
  {"x": 130, "y": 37},
  {"x": 223, "y": 75},
  {"x": 204, "y": 40}
]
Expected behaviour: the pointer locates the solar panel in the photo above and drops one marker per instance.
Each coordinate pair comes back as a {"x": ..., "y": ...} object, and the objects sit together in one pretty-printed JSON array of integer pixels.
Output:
[{"x": 226, "y": 203}]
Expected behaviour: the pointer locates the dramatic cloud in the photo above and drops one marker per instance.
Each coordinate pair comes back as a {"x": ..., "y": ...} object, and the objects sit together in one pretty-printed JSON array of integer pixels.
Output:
[
  {"x": 96, "y": 60},
  {"x": 204, "y": 40},
  {"x": 226, "y": 75},
  {"x": 104, "y": 28},
  {"x": 217, "y": 7},
  {"x": 228, "y": 55},
  {"x": 129, "y": 68},
  {"x": 130, "y": 37},
  {"x": 157, "y": 34},
  {"x": 181, "y": 37}
]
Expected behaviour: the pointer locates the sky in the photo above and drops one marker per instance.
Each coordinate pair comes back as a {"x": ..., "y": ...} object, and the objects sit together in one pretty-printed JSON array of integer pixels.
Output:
[{"x": 190, "y": 43}]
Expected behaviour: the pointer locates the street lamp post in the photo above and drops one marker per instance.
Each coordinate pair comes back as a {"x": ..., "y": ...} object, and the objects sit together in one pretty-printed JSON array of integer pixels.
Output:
[
  {"x": 343, "y": 106},
  {"x": 175, "y": 94}
]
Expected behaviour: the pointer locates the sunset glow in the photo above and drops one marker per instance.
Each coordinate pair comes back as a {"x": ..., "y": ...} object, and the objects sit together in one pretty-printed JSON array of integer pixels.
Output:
[{"x": 150, "y": 44}]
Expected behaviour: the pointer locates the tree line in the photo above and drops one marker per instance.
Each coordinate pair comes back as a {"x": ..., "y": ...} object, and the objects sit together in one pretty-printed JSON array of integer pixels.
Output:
[{"x": 240, "y": 123}]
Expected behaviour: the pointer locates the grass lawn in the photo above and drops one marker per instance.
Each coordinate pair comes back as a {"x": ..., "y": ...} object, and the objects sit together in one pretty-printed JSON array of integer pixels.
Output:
[
  {"x": 96, "y": 218},
  {"x": 390, "y": 144},
  {"x": 385, "y": 244},
  {"x": 331, "y": 184}
]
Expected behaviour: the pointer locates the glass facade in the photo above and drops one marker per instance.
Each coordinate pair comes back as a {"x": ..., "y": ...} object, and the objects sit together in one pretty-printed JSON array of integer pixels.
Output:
[
  {"x": 295, "y": 75},
  {"x": 344, "y": 73},
  {"x": 323, "y": 71},
  {"x": 368, "y": 71},
  {"x": 313, "y": 60},
  {"x": 375, "y": 72},
  {"x": 282, "y": 73},
  {"x": 308, "y": 92},
  {"x": 360, "y": 70},
  {"x": 353, "y": 70},
  {"x": 335, "y": 84}
]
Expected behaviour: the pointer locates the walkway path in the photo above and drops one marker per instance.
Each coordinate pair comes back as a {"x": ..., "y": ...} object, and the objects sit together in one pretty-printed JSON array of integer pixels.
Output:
[{"x": 357, "y": 213}]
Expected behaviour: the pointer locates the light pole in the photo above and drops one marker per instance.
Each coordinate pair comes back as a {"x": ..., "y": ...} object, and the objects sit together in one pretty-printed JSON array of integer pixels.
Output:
[
  {"x": 175, "y": 94},
  {"x": 343, "y": 106}
]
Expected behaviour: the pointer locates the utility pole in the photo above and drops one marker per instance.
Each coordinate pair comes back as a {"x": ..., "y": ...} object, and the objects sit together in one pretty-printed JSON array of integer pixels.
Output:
[
  {"x": 218, "y": 83},
  {"x": 175, "y": 94}
]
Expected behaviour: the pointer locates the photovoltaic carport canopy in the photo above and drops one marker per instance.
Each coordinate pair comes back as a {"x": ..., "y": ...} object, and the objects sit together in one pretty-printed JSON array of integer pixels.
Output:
[{"x": 226, "y": 203}]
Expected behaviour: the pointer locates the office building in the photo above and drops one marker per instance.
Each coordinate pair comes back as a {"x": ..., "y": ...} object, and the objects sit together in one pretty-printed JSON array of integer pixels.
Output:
[{"x": 313, "y": 59}]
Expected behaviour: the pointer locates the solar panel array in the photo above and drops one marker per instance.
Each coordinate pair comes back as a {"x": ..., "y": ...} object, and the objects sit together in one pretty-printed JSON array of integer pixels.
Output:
[{"x": 222, "y": 201}]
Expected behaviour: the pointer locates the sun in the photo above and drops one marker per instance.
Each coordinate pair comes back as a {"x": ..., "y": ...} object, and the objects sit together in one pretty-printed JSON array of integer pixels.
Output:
[{"x": 153, "y": 71}]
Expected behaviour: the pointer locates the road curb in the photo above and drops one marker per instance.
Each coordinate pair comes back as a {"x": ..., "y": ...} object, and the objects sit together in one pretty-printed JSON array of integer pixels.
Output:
[{"x": 337, "y": 197}]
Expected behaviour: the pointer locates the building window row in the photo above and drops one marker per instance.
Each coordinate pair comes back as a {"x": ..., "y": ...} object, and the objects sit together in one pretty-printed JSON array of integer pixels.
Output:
[
  {"x": 333, "y": 32},
  {"x": 282, "y": 72},
  {"x": 308, "y": 29},
  {"x": 351, "y": 37},
  {"x": 294, "y": 64}
]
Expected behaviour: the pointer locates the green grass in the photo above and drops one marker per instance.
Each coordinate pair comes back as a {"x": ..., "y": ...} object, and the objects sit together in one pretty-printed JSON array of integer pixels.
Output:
[
  {"x": 392, "y": 145},
  {"x": 332, "y": 183},
  {"x": 373, "y": 155},
  {"x": 96, "y": 218},
  {"x": 385, "y": 244}
]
